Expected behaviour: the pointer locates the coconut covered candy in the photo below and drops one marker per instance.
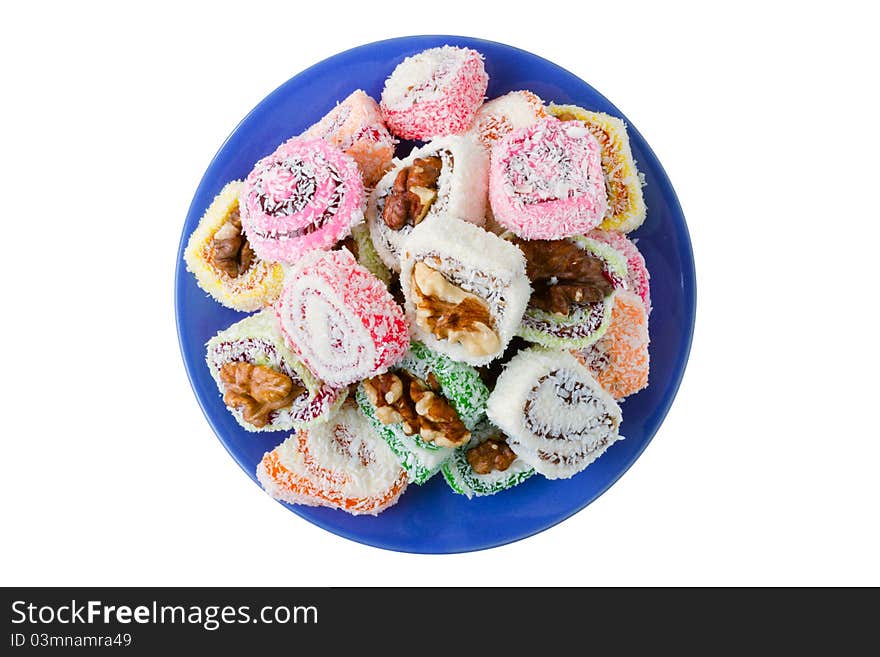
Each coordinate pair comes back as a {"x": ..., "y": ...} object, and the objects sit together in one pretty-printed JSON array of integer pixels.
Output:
[
  {"x": 225, "y": 266},
  {"x": 501, "y": 116},
  {"x": 626, "y": 209},
  {"x": 340, "y": 319},
  {"x": 355, "y": 127},
  {"x": 342, "y": 464},
  {"x": 434, "y": 92},
  {"x": 557, "y": 417},
  {"x": 485, "y": 465},
  {"x": 264, "y": 385},
  {"x": 447, "y": 177},
  {"x": 426, "y": 406},
  {"x": 573, "y": 281},
  {"x": 546, "y": 181},
  {"x": 638, "y": 279},
  {"x": 620, "y": 360},
  {"x": 305, "y": 196},
  {"x": 465, "y": 290}
]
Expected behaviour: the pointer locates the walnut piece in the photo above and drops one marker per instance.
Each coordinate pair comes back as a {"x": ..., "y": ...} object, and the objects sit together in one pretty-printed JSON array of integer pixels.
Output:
[
  {"x": 412, "y": 194},
  {"x": 562, "y": 274},
  {"x": 395, "y": 214},
  {"x": 450, "y": 313},
  {"x": 257, "y": 390},
  {"x": 418, "y": 406},
  {"x": 230, "y": 251},
  {"x": 493, "y": 454},
  {"x": 425, "y": 172}
]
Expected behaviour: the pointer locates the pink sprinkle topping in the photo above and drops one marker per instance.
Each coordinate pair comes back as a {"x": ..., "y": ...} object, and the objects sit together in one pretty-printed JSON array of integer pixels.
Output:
[{"x": 546, "y": 180}]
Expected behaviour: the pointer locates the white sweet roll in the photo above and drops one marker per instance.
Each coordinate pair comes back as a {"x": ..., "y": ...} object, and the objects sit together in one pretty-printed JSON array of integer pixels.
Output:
[
  {"x": 461, "y": 191},
  {"x": 466, "y": 289},
  {"x": 557, "y": 417}
]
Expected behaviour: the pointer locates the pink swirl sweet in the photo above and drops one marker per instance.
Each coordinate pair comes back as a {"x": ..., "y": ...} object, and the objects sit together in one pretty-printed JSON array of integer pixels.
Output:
[
  {"x": 546, "y": 180},
  {"x": 435, "y": 92},
  {"x": 306, "y": 195},
  {"x": 340, "y": 319},
  {"x": 637, "y": 276}
]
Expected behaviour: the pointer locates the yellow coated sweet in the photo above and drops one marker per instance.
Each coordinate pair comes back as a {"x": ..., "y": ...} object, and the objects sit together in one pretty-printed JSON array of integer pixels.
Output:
[
  {"x": 253, "y": 289},
  {"x": 626, "y": 203}
]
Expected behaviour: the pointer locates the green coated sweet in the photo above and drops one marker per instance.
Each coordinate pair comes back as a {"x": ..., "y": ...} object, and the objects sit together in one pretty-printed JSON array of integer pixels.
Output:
[
  {"x": 420, "y": 461},
  {"x": 463, "y": 480},
  {"x": 459, "y": 383}
]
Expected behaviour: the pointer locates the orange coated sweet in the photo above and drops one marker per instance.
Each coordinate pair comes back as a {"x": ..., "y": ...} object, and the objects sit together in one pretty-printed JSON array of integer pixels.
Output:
[{"x": 619, "y": 360}]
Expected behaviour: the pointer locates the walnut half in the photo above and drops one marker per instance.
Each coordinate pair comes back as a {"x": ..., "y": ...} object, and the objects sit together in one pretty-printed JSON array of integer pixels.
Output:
[
  {"x": 492, "y": 454},
  {"x": 418, "y": 406},
  {"x": 563, "y": 275},
  {"x": 230, "y": 251},
  {"x": 450, "y": 313},
  {"x": 413, "y": 192},
  {"x": 257, "y": 390}
]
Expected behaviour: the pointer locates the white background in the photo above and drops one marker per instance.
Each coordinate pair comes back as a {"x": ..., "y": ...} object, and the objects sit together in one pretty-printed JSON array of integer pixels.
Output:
[{"x": 766, "y": 468}]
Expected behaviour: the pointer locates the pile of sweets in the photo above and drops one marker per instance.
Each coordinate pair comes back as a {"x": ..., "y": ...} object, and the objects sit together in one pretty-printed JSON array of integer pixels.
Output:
[{"x": 473, "y": 309}]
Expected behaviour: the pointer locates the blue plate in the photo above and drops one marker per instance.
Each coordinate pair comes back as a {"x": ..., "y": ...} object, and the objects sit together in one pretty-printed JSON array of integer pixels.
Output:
[{"x": 431, "y": 518}]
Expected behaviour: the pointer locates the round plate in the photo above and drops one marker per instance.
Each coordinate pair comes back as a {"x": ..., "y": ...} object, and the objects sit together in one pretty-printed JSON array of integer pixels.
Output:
[{"x": 431, "y": 518}]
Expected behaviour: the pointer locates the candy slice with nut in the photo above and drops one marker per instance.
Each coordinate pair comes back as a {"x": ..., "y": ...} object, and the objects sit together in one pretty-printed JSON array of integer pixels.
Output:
[
  {"x": 221, "y": 258},
  {"x": 574, "y": 282},
  {"x": 486, "y": 464},
  {"x": 465, "y": 289},
  {"x": 262, "y": 383},
  {"x": 447, "y": 177}
]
